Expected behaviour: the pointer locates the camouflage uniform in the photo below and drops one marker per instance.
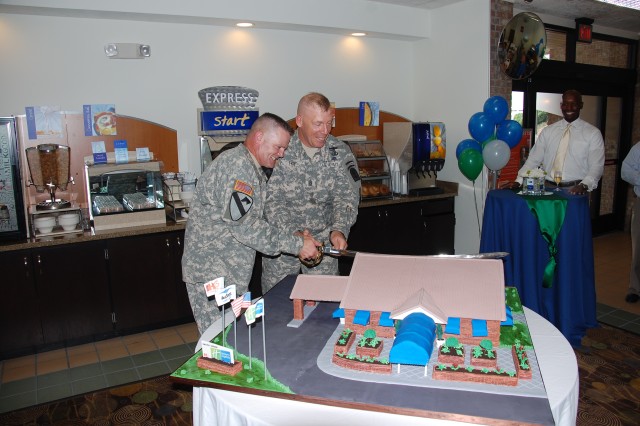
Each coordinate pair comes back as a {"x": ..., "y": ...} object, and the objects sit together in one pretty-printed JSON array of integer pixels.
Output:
[
  {"x": 225, "y": 228},
  {"x": 320, "y": 194}
]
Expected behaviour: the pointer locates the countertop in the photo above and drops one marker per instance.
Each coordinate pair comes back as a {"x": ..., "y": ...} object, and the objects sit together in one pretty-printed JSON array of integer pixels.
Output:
[{"x": 450, "y": 190}]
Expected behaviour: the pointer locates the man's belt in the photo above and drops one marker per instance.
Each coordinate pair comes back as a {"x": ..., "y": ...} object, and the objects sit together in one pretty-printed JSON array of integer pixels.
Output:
[{"x": 565, "y": 184}]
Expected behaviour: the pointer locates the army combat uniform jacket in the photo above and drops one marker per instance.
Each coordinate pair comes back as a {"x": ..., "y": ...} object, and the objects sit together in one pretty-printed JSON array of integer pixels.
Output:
[
  {"x": 320, "y": 194},
  {"x": 226, "y": 225}
]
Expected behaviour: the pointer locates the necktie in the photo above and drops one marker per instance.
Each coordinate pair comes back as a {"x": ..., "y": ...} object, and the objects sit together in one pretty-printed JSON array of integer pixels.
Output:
[{"x": 558, "y": 162}]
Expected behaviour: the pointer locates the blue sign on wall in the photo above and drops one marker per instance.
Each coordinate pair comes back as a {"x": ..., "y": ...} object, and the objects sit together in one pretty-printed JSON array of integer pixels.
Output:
[{"x": 226, "y": 122}]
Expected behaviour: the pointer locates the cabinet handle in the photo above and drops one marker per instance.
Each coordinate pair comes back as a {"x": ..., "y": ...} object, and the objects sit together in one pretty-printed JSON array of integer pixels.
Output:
[
  {"x": 167, "y": 240},
  {"x": 178, "y": 241},
  {"x": 39, "y": 262}
]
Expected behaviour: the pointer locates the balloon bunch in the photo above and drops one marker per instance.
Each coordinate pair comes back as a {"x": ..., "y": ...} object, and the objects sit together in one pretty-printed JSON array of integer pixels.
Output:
[{"x": 497, "y": 135}]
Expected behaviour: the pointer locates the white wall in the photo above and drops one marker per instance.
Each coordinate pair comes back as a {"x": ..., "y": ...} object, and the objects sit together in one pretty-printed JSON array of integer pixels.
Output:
[
  {"x": 451, "y": 84},
  {"x": 51, "y": 60}
]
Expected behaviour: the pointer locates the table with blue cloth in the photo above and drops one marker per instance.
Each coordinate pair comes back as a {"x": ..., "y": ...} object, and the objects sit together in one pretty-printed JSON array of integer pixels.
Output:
[{"x": 551, "y": 254}]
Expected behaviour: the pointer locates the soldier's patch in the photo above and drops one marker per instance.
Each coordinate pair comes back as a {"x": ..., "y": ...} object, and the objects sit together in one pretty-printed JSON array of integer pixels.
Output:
[
  {"x": 243, "y": 187},
  {"x": 353, "y": 170},
  {"x": 239, "y": 205}
]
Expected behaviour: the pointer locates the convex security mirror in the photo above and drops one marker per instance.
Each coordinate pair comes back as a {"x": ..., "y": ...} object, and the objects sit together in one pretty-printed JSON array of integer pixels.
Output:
[{"x": 522, "y": 45}]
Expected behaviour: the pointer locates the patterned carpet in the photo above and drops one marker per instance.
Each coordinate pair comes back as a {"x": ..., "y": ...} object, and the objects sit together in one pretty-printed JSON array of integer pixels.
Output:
[{"x": 609, "y": 363}]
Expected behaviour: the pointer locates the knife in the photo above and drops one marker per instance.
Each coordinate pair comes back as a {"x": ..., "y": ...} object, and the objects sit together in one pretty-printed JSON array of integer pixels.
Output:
[{"x": 327, "y": 249}]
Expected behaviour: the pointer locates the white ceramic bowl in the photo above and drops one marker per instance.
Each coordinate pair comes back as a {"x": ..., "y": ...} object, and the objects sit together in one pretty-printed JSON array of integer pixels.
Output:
[
  {"x": 186, "y": 196},
  {"x": 45, "y": 224},
  {"x": 68, "y": 221}
]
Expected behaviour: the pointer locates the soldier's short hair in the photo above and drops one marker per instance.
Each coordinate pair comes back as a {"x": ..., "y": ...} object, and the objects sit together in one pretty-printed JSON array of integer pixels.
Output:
[
  {"x": 314, "y": 99},
  {"x": 270, "y": 120}
]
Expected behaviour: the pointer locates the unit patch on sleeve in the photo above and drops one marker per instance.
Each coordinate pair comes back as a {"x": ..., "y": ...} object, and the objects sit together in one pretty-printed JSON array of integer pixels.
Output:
[{"x": 239, "y": 205}]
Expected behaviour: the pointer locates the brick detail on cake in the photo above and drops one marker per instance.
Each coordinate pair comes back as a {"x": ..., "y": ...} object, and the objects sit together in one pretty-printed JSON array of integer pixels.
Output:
[
  {"x": 298, "y": 309},
  {"x": 485, "y": 362},
  {"x": 369, "y": 351},
  {"x": 522, "y": 373},
  {"x": 450, "y": 359},
  {"x": 463, "y": 375},
  {"x": 220, "y": 366},
  {"x": 384, "y": 332},
  {"x": 345, "y": 348},
  {"x": 310, "y": 303},
  {"x": 466, "y": 333},
  {"x": 369, "y": 367}
]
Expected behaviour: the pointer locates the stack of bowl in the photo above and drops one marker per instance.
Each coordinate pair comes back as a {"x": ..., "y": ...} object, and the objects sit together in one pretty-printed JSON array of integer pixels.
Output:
[
  {"x": 45, "y": 224},
  {"x": 68, "y": 221}
]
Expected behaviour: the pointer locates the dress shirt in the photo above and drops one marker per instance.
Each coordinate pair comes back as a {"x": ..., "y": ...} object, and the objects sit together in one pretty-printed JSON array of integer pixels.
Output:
[
  {"x": 631, "y": 168},
  {"x": 585, "y": 155}
]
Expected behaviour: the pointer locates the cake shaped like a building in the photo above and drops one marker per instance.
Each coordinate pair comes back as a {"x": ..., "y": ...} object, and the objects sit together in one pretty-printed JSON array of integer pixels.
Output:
[{"x": 438, "y": 296}]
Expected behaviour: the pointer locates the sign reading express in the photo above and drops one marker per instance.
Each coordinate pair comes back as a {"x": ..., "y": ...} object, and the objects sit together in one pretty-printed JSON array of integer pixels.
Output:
[{"x": 228, "y": 110}]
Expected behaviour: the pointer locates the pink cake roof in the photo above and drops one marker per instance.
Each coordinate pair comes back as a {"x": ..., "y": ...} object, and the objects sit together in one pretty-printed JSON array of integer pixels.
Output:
[
  {"x": 321, "y": 288},
  {"x": 465, "y": 288}
]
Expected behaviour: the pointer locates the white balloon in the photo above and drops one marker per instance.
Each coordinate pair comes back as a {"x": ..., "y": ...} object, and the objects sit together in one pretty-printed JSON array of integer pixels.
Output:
[{"x": 496, "y": 154}]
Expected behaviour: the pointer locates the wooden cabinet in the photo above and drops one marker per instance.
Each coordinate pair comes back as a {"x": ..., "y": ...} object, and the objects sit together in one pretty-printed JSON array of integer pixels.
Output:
[
  {"x": 411, "y": 228},
  {"x": 146, "y": 284},
  {"x": 73, "y": 292},
  {"x": 52, "y": 297},
  {"x": 21, "y": 328}
]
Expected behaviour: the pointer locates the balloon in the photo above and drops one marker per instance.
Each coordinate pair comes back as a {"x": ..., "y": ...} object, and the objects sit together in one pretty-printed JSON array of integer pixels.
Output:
[
  {"x": 496, "y": 108},
  {"x": 496, "y": 154},
  {"x": 470, "y": 163},
  {"x": 468, "y": 143},
  {"x": 481, "y": 127},
  {"x": 510, "y": 131}
]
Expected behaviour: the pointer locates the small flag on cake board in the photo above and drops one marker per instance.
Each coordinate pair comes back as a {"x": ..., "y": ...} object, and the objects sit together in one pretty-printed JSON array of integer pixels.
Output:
[
  {"x": 250, "y": 317},
  {"x": 224, "y": 296},
  {"x": 260, "y": 314},
  {"x": 237, "y": 305}
]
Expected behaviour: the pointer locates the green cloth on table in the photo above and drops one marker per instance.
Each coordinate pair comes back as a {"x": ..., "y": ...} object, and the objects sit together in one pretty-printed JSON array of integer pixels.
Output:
[{"x": 549, "y": 210}]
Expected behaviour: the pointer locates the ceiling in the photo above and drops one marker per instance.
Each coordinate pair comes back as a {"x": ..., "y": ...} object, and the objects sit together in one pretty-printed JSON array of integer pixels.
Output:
[{"x": 603, "y": 14}]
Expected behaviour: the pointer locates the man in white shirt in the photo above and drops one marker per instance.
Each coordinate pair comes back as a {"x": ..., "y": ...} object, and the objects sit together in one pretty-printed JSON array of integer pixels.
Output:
[
  {"x": 580, "y": 160},
  {"x": 630, "y": 173}
]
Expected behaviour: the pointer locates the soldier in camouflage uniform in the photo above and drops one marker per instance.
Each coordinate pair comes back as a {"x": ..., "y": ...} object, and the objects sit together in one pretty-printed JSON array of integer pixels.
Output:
[
  {"x": 226, "y": 221},
  {"x": 316, "y": 187}
]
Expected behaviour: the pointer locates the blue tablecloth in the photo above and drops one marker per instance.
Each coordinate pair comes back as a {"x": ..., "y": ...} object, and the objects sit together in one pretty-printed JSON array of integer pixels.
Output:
[{"x": 509, "y": 225}]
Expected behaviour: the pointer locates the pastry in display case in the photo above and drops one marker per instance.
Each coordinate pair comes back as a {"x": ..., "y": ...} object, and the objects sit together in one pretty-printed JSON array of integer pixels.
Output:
[
  {"x": 124, "y": 195},
  {"x": 373, "y": 168}
]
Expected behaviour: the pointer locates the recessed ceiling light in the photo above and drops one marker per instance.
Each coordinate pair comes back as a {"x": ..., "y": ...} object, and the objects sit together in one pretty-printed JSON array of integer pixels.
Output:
[
  {"x": 358, "y": 34},
  {"x": 244, "y": 24}
]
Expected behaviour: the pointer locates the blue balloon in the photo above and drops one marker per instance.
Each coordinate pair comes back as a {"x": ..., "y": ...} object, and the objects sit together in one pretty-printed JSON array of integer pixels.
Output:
[
  {"x": 481, "y": 127},
  {"x": 496, "y": 108},
  {"x": 510, "y": 131},
  {"x": 468, "y": 144}
]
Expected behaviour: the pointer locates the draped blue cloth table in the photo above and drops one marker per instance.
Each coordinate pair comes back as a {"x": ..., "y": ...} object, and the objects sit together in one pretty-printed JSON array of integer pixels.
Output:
[{"x": 509, "y": 225}]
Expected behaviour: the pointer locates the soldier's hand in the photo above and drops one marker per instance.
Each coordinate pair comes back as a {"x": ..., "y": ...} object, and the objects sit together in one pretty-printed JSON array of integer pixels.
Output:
[
  {"x": 338, "y": 241},
  {"x": 309, "y": 248}
]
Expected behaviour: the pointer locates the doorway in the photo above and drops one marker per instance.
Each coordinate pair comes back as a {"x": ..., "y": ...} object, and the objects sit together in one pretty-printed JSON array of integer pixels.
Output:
[{"x": 608, "y": 96}]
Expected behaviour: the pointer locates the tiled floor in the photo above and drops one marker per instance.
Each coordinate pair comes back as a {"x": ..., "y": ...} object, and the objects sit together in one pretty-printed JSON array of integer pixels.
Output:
[
  {"x": 61, "y": 373},
  {"x": 53, "y": 375}
]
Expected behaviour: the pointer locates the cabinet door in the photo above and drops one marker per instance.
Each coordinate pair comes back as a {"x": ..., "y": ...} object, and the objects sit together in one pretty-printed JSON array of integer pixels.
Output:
[
  {"x": 73, "y": 292},
  {"x": 438, "y": 226},
  {"x": 21, "y": 330},
  {"x": 182, "y": 307},
  {"x": 143, "y": 284}
]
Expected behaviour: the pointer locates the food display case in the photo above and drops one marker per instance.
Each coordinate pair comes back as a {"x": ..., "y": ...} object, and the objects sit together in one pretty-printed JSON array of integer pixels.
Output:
[
  {"x": 125, "y": 195},
  {"x": 373, "y": 168}
]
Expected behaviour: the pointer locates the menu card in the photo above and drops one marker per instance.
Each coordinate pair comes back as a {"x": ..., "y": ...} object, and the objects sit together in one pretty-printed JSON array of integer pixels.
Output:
[{"x": 122, "y": 154}]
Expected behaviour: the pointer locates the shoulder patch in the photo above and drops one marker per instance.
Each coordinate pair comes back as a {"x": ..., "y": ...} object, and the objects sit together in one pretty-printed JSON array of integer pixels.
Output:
[
  {"x": 243, "y": 187},
  {"x": 239, "y": 205}
]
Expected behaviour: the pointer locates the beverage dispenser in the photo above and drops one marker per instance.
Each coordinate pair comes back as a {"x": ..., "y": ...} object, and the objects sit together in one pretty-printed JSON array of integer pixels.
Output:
[{"x": 429, "y": 150}]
